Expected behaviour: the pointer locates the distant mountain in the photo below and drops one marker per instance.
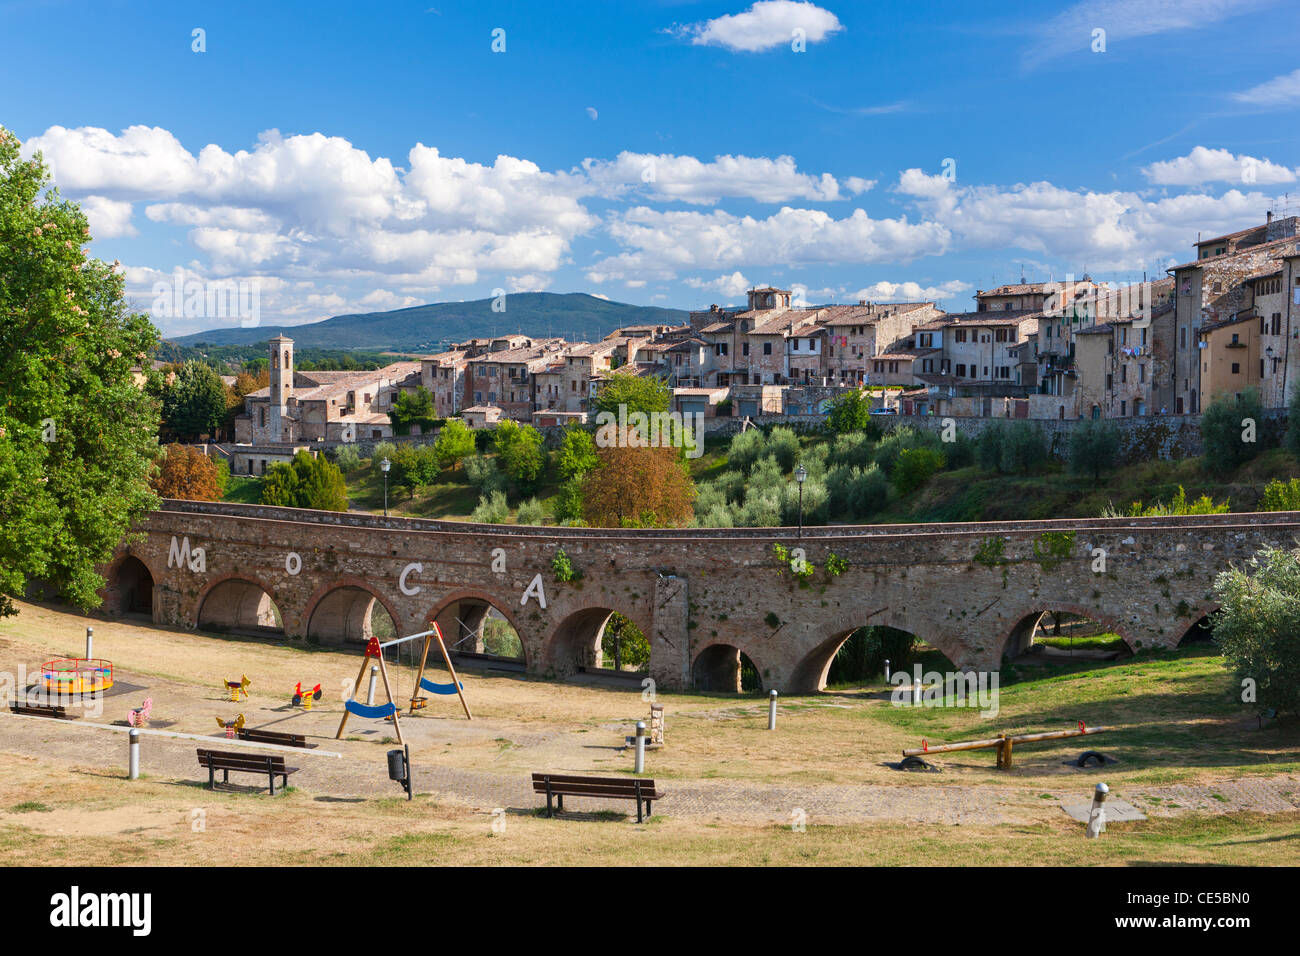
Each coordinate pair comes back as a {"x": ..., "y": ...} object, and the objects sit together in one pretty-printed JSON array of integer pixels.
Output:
[{"x": 427, "y": 327}]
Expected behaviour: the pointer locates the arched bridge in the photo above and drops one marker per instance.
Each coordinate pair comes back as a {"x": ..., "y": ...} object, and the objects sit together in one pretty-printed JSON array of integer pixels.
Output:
[{"x": 702, "y": 597}]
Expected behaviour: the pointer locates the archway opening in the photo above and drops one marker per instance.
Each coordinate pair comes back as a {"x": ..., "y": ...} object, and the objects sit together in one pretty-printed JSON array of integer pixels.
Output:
[
  {"x": 858, "y": 656},
  {"x": 727, "y": 669},
  {"x": 237, "y": 606},
  {"x": 598, "y": 640},
  {"x": 476, "y": 630},
  {"x": 133, "y": 584},
  {"x": 1201, "y": 633},
  {"x": 349, "y": 614},
  {"x": 1057, "y": 634}
]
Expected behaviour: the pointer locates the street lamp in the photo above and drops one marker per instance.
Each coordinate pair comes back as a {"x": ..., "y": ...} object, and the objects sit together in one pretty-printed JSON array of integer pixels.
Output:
[
  {"x": 384, "y": 466},
  {"x": 800, "y": 474}
]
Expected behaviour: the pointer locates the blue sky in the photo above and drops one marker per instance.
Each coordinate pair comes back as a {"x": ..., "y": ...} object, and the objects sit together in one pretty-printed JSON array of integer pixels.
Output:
[{"x": 346, "y": 158}]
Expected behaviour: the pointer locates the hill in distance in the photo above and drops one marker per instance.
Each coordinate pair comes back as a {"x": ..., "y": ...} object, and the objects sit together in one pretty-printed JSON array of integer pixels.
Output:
[{"x": 421, "y": 328}]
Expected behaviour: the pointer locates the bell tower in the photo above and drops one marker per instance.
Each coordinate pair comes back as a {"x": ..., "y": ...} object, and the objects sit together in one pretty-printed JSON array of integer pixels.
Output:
[{"x": 281, "y": 386}]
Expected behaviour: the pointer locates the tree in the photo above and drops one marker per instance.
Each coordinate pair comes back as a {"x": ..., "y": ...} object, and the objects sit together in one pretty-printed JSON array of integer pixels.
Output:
[
  {"x": 186, "y": 472},
  {"x": 245, "y": 383},
  {"x": 195, "y": 403},
  {"x": 520, "y": 450},
  {"x": 1258, "y": 626},
  {"x": 1231, "y": 430},
  {"x": 78, "y": 438},
  {"x": 309, "y": 481},
  {"x": 577, "y": 454},
  {"x": 455, "y": 443},
  {"x": 852, "y": 413},
  {"x": 636, "y": 393},
  {"x": 638, "y": 488},
  {"x": 623, "y": 643},
  {"x": 1023, "y": 448},
  {"x": 413, "y": 408},
  {"x": 1094, "y": 447},
  {"x": 914, "y": 468}
]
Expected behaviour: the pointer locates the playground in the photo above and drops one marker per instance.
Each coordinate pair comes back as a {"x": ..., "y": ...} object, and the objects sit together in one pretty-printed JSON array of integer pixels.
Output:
[{"x": 821, "y": 788}]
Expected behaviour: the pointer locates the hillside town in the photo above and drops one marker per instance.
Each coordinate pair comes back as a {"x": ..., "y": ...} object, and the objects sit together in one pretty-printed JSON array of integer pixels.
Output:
[{"x": 1218, "y": 324}]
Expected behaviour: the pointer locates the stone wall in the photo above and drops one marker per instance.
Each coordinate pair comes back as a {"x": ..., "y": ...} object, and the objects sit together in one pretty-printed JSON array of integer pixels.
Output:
[{"x": 968, "y": 589}]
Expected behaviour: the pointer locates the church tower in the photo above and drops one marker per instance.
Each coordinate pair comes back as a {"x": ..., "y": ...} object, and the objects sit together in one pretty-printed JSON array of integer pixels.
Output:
[{"x": 281, "y": 387}]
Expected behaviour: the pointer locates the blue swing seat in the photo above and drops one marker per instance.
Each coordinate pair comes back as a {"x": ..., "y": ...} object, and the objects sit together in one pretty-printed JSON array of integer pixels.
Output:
[
  {"x": 433, "y": 688},
  {"x": 371, "y": 713}
]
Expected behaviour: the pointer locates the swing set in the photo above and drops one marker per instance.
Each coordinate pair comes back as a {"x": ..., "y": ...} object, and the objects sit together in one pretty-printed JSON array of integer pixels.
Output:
[{"x": 388, "y": 710}]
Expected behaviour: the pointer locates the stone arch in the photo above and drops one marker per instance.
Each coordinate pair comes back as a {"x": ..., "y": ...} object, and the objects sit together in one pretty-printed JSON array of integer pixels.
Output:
[
  {"x": 463, "y": 615},
  {"x": 340, "y": 611},
  {"x": 1019, "y": 637},
  {"x": 1200, "y": 628},
  {"x": 238, "y": 604},
  {"x": 717, "y": 667},
  {"x": 575, "y": 643},
  {"x": 131, "y": 587},
  {"x": 810, "y": 674}
]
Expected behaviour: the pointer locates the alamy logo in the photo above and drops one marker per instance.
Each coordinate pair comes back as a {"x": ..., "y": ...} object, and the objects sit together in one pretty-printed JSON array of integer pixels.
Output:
[
  {"x": 215, "y": 299},
  {"x": 75, "y": 909},
  {"x": 975, "y": 689}
]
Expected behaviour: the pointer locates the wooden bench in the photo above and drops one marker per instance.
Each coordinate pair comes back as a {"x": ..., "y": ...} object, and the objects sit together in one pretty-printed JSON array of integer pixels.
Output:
[
  {"x": 41, "y": 710},
  {"x": 275, "y": 737},
  {"x": 271, "y": 765},
  {"x": 559, "y": 786}
]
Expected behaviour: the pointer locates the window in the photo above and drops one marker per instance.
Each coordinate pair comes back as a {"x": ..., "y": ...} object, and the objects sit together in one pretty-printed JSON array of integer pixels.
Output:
[
  {"x": 1110, "y": 381},
  {"x": 1182, "y": 337},
  {"x": 1001, "y": 335},
  {"x": 961, "y": 370},
  {"x": 925, "y": 338},
  {"x": 1142, "y": 373},
  {"x": 1236, "y": 368},
  {"x": 744, "y": 348},
  {"x": 794, "y": 346},
  {"x": 767, "y": 348},
  {"x": 959, "y": 335},
  {"x": 1123, "y": 373}
]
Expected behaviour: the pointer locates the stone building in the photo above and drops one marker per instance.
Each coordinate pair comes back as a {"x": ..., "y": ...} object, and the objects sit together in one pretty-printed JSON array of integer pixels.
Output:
[{"x": 305, "y": 407}]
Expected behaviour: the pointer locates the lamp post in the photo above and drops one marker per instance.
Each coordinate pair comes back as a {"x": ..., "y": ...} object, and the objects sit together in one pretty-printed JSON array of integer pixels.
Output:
[
  {"x": 800, "y": 474},
  {"x": 384, "y": 466}
]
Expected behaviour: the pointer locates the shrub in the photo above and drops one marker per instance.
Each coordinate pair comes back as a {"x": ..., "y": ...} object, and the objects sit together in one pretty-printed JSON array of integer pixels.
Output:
[
  {"x": 852, "y": 413},
  {"x": 988, "y": 448},
  {"x": 347, "y": 458},
  {"x": 815, "y": 502},
  {"x": 1281, "y": 496},
  {"x": 483, "y": 474},
  {"x": 385, "y": 449},
  {"x": 894, "y": 444},
  {"x": 455, "y": 443},
  {"x": 856, "y": 492},
  {"x": 531, "y": 512},
  {"x": 492, "y": 509},
  {"x": 568, "y": 501},
  {"x": 914, "y": 468},
  {"x": 783, "y": 445},
  {"x": 309, "y": 481},
  {"x": 852, "y": 449},
  {"x": 746, "y": 449}
]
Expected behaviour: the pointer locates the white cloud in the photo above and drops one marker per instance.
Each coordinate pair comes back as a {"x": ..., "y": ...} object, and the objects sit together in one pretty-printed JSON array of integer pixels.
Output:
[
  {"x": 856, "y": 185},
  {"x": 729, "y": 286},
  {"x": 765, "y": 25},
  {"x": 1070, "y": 31},
  {"x": 1282, "y": 90},
  {"x": 687, "y": 179},
  {"x": 660, "y": 243},
  {"x": 911, "y": 291},
  {"x": 1203, "y": 165},
  {"x": 1096, "y": 230},
  {"x": 108, "y": 218},
  {"x": 528, "y": 283},
  {"x": 591, "y": 111}
]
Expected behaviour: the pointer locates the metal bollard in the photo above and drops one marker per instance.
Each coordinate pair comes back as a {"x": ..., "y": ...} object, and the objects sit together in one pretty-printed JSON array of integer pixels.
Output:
[
  {"x": 90, "y": 643},
  {"x": 640, "y": 747},
  {"x": 771, "y": 711},
  {"x": 133, "y": 762},
  {"x": 886, "y": 670},
  {"x": 370, "y": 694},
  {"x": 1097, "y": 815}
]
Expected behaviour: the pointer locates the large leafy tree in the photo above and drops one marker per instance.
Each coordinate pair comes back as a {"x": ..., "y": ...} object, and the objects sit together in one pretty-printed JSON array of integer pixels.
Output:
[
  {"x": 195, "y": 402},
  {"x": 413, "y": 408},
  {"x": 638, "y": 488},
  {"x": 77, "y": 436},
  {"x": 455, "y": 443},
  {"x": 185, "y": 472},
  {"x": 1258, "y": 627},
  {"x": 1232, "y": 431},
  {"x": 638, "y": 393},
  {"x": 1094, "y": 447}
]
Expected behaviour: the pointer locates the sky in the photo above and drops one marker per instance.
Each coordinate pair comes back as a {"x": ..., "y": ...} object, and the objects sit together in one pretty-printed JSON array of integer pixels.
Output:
[{"x": 349, "y": 157}]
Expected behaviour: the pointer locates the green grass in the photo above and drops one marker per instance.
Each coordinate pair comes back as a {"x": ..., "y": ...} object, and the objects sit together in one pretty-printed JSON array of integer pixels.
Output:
[{"x": 243, "y": 489}]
